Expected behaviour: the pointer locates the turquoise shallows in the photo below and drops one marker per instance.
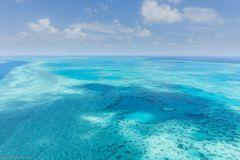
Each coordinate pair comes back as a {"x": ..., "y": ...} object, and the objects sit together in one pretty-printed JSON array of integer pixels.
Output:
[{"x": 97, "y": 108}]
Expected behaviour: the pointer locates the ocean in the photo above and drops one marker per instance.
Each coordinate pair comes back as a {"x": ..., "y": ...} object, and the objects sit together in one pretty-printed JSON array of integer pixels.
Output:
[{"x": 99, "y": 108}]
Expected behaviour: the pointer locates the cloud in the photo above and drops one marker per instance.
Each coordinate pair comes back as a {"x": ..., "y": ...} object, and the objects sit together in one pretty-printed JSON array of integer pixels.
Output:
[
  {"x": 43, "y": 30},
  {"x": 44, "y": 26},
  {"x": 74, "y": 33},
  {"x": 156, "y": 13},
  {"x": 100, "y": 8},
  {"x": 175, "y": 1},
  {"x": 91, "y": 11},
  {"x": 96, "y": 27},
  {"x": 153, "y": 12},
  {"x": 143, "y": 33},
  {"x": 201, "y": 15},
  {"x": 113, "y": 28}
]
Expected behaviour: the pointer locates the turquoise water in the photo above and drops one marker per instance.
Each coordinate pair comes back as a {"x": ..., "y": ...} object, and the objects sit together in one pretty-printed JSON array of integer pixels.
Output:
[{"x": 148, "y": 108}]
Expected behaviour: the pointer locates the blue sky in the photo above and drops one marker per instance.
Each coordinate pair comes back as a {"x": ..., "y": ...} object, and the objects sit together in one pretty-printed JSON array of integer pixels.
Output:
[{"x": 120, "y": 27}]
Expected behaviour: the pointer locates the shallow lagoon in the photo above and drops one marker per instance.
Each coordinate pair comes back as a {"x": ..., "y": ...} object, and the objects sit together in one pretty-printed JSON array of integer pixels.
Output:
[{"x": 120, "y": 108}]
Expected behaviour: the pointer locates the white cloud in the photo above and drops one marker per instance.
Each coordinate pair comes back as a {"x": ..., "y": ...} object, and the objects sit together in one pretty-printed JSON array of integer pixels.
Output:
[
  {"x": 156, "y": 13},
  {"x": 153, "y": 12},
  {"x": 143, "y": 33},
  {"x": 113, "y": 28},
  {"x": 74, "y": 33},
  {"x": 44, "y": 26},
  {"x": 175, "y": 1},
  {"x": 95, "y": 27},
  {"x": 43, "y": 30},
  {"x": 91, "y": 11},
  {"x": 100, "y": 8},
  {"x": 118, "y": 27},
  {"x": 201, "y": 15}
]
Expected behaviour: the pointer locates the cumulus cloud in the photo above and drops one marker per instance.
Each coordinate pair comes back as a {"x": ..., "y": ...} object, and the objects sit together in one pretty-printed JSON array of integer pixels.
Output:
[
  {"x": 84, "y": 31},
  {"x": 43, "y": 25},
  {"x": 201, "y": 15},
  {"x": 113, "y": 28},
  {"x": 74, "y": 33},
  {"x": 95, "y": 27},
  {"x": 154, "y": 12},
  {"x": 159, "y": 13}
]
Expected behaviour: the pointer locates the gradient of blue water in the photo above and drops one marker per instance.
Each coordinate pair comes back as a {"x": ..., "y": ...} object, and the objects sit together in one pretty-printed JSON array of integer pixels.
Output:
[
  {"x": 7, "y": 66},
  {"x": 126, "y": 108}
]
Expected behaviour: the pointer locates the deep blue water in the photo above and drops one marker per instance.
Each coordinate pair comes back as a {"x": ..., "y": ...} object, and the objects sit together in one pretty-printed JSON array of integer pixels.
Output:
[
  {"x": 91, "y": 108},
  {"x": 7, "y": 66}
]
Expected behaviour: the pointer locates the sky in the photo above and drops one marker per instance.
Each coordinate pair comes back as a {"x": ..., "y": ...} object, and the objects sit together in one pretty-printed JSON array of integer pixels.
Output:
[{"x": 120, "y": 27}]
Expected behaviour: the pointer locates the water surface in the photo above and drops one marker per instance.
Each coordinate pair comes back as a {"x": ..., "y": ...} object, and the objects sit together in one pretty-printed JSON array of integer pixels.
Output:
[{"x": 91, "y": 108}]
